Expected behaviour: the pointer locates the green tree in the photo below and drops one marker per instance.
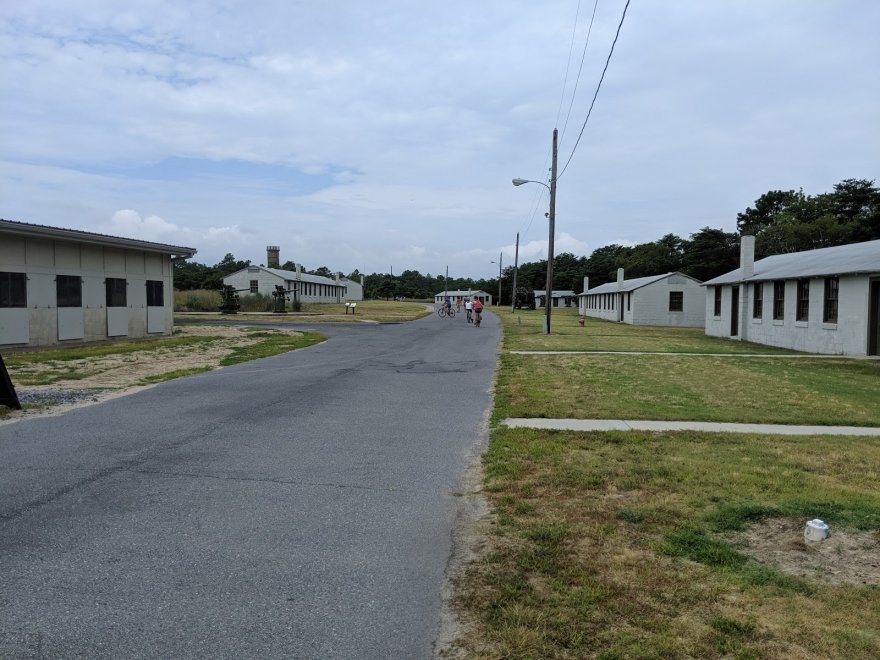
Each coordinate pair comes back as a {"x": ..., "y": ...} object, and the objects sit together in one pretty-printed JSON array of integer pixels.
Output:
[{"x": 710, "y": 253}]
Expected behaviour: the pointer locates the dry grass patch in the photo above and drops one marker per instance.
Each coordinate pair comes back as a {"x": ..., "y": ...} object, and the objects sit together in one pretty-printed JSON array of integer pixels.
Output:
[
  {"x": 378, "y": 311},
  {"x": 625, "y": 545},
  {"x": 110, "y": 368}
]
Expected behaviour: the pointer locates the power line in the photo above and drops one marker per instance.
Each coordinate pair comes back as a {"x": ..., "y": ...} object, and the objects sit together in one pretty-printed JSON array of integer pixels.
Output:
[
  {"x": 577, "y": 15},
  {"x": 598, "y": 87},
  {"x": 580, "y": 69}
]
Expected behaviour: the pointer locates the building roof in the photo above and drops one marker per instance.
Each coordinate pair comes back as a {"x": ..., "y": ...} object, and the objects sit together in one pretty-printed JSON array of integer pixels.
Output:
[
  {"x": 633, "y": 284},
  {"x": 852, "y": 259},
  {"x": 27, "y": 230},
  {"x": 290, "y": 275},
  {"x": 557, "y": 293},
  {"x": 463, "y": 293}
]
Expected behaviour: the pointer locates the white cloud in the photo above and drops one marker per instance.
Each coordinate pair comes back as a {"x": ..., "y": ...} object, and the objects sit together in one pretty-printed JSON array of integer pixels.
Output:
[
  {"x": 131, "y": 224},
  {"x": 405, "y": 148}
]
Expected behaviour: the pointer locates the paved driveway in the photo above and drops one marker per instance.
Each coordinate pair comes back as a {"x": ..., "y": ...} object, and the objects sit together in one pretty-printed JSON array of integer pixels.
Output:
[{"x": 300, "y": 506}]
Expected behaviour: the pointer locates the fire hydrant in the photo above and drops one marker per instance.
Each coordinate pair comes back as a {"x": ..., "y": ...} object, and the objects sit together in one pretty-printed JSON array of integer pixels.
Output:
[{"x": 581, "y": 321}]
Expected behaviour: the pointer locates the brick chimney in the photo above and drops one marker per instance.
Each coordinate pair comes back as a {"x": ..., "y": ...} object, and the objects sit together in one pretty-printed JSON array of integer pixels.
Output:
[
  {"x": 273, "y": 256},
  {"x": 620, "y": 278},
  {"x": 586, "y": 284},
  {"x": 747, "y": 256}
]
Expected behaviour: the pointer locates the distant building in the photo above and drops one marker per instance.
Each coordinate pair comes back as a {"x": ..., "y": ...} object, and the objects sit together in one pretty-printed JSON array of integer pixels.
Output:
[
  {"x": 473, "y": 294},
  {"x": 671, "y": 299},
  {"x": 301, "y": 286},
  {"x": 820, "y": 301},
  {"x": 560, "y": 298},
  {"x": 60, "y": 286}
]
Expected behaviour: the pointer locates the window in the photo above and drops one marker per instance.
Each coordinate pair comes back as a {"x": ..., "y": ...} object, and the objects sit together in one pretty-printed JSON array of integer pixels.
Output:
[
  {"x": 717, "y": 301},
  {"x": 116, "y": 292},
  {"x": 676, "y": 301},
  {"x": 829, "y": 313},
  {"x": 255, "y": 286},
  {"x": 68, "y": 290},
  {"x": 757, "y": 300},
  {"x": 155, "y": 291},
  {"x": 13, "y": 290},
  {"x": 803, "y": 300},
  {"x": 778, "y": 301}
]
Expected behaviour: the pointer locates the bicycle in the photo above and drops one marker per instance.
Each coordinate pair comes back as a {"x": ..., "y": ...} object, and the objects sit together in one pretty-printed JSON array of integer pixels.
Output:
[
  {"x": 443, "y": 311},
  {"x": 478, "y": 316}
]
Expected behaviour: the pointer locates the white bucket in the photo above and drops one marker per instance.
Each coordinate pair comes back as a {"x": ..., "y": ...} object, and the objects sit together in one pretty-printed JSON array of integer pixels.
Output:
[{"x": 815, "y": 531}]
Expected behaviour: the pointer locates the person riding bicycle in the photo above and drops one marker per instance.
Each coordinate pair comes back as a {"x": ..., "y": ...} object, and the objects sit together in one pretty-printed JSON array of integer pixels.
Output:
[
  {"x": 478, "y": 311},
  {"x": 447, "y": 303},
  {"x": 469, "y": 309}
]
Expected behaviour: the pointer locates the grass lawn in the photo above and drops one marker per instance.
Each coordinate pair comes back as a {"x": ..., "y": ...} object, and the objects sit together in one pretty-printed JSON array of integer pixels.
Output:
[
  {"x": 688, "y": 387},
  {"x": 382, "y": 311},
  {"x": 629, "y": 545},
  {"x": 775, "y": 389},
  {"x": 523, "y": 332},
  {"x": 674, "y": 545}
]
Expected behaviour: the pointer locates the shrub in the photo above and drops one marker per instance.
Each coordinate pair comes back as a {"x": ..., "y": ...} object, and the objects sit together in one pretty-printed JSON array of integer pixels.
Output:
[{"x": 197, "y": 300}]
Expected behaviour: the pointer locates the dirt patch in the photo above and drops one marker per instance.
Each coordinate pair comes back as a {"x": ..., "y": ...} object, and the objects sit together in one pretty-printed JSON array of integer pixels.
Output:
[
  {"x": 845, "y": 557},
  {"x": 91, "y": 380}
]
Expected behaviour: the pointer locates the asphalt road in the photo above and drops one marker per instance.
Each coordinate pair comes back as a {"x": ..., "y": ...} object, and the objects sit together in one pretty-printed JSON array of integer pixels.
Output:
[{"x": 300, "y": 506}]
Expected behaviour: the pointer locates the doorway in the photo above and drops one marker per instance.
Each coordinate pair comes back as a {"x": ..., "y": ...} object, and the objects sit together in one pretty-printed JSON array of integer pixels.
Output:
[
  {"x": 734, "y": 311},
  {"x": 874, "y": 319}
]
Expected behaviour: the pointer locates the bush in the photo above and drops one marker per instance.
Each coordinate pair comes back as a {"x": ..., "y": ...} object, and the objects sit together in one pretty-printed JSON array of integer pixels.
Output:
[
  {"x": 257, "y": 302},
  {"x": 197, "y": 300}
]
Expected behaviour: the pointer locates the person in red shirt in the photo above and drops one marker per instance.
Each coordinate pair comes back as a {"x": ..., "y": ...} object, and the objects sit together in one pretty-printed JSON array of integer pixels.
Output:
[{"x": 478, "y": 312}]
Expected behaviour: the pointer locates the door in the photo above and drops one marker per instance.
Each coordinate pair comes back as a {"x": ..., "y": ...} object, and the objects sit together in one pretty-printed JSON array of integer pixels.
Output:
[
  {"x": 620, "y": 307},
  {"x": 874, "y": 319},
  {"x": 734, "y": 311}
]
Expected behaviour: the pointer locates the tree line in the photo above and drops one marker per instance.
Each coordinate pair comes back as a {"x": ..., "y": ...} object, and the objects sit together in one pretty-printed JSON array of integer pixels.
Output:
[{"x": 781, "y": 221}]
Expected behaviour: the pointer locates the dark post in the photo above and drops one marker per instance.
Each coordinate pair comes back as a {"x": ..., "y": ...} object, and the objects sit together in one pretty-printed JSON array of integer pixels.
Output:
[
  {"x": 8, "y": 397},
  {"x": 548, "y": 297}
]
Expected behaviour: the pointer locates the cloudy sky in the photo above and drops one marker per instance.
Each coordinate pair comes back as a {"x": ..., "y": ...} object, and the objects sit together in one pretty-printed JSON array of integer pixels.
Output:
[{"x": 384, "y": 134}]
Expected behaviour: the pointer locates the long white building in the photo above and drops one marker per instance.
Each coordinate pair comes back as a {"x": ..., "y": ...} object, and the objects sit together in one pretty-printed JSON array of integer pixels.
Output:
[
  {"x": 819, "y": 301},
  {"x": 60, "y": 286},
  {"x": 670, "y": 299}
]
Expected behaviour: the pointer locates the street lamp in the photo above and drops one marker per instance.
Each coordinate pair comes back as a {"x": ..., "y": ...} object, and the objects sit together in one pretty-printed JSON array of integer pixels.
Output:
[
  {"x": 500, "y": 257},
  {"x": 548, "y": 294}
]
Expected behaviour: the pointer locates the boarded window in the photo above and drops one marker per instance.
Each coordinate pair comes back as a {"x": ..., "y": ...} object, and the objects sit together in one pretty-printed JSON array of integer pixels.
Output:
[
  {"x": 13, "y": 290},
  {"x": 68, "y": 290},
  {"x": 155, "y": 293},
  {"x": 717, "y": 301},
  {"x": 832, "y": 286},
  {"x": 116, "y": 292},
  {"x": 676, "y": 301}
]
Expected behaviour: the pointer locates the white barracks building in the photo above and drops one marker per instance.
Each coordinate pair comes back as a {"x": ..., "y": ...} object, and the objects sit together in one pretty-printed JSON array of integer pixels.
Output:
[{"x": 63, "y": 285}]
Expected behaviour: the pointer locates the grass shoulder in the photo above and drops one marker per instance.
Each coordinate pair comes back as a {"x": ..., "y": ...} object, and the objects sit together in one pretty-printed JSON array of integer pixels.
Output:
[{"x": 637, "y": 545}]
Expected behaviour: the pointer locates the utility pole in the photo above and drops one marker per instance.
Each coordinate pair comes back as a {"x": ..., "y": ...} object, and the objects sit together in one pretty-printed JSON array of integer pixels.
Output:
[
  {"x": 515, "y": 268},
  {"x": 500, "y": 258},
  {"x": 548, "y": 294}
]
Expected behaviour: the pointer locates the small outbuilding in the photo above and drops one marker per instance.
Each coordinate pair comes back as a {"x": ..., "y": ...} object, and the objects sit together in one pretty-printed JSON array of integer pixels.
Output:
[
  {"x": 560, "y": 298},
  {"x": 68, "y": 286},
  {"x": 671, "y": 299},
  {"x": 473, "y": 294},
  {"x": 820, "y": 301}
]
